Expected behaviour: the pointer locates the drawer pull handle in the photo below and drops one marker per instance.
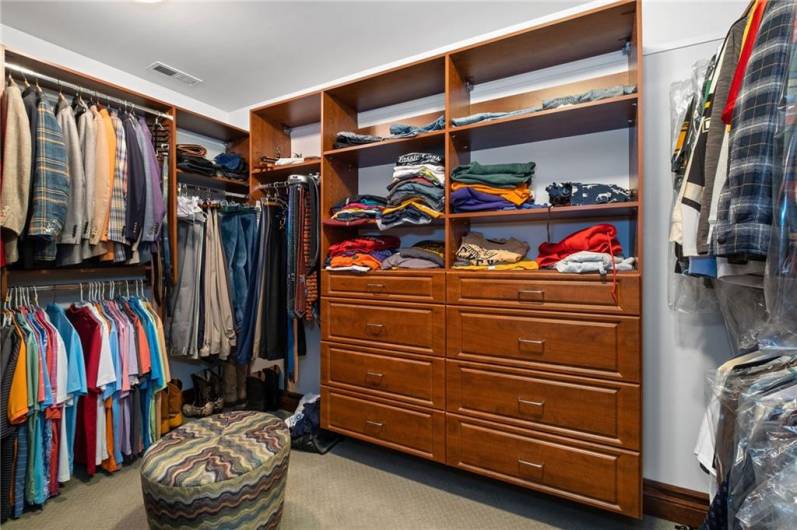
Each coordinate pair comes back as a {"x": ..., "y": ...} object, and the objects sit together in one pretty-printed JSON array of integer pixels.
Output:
[
  {"x": 531, "y": 295},
  {"x": 531, "y": 407},
  {"x": 531, "y": 345},
  {"x": 374, "y": 329},
  {"x": 374, "y": 427},
  {"x": 375, "y": 286},
  {"x": 373, "y": 378},
  {"x": 530, "y": 469}
]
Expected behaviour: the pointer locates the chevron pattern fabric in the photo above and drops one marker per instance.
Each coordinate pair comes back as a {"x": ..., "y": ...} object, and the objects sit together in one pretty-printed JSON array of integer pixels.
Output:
[{"x": 225, "y": 471}]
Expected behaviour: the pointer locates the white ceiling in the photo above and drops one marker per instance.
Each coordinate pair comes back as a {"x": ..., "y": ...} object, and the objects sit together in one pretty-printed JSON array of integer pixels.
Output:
[{"x": 249, "y": 51}]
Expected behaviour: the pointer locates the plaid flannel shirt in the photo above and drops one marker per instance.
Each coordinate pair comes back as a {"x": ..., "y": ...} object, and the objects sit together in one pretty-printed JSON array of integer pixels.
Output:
[
  {"x": 51, "y": 187},
  {"x": 744, "y": 215},
  {"x": 116, "y": 225}
]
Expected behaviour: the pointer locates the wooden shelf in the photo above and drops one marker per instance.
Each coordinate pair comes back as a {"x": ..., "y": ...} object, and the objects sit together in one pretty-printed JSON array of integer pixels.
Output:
[
  {"x": 585, "y": 118},
  {"x": 214, "y": 182},
  {"x": 292, "y": 112},
  {"x": 610, "y": 210},
  {"x": 280, "y": 172},
  {"x": 212, "y": 128},
  {"x": 387, "y": 151},
  {"x": 75, "y": 274},
  {"x": 595, "y": 32}
]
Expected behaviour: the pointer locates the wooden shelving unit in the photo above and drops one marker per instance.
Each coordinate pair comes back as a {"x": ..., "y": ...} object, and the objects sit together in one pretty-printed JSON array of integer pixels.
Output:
[{"x": 529, "y": 377}]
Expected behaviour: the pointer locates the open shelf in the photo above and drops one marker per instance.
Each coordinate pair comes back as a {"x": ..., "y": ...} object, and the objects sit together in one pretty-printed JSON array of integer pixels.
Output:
[
  {"x": 280, "y": 172},
  {"x": 196, "y": 123},
  {"x": 204, "y": 180},
  {"x": 609, "y": 210},
  {"x": 293, "y": 112},
  {"x": 387, "y": 151},
  {"x": 595, "y": 32},
  {"x": 584, "y": 118}
]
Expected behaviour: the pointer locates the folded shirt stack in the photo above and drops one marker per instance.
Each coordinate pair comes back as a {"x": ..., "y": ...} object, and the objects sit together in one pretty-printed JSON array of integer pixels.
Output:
[
  {"x": 601, "y": 262},
  {"x": 579, "y": 194},
  {"x": 476, "y": 252},
  {"x": 478, "y": 187},
  {"x": 425, "y": 254},
  {"x": 416, "y": 194},
  {"x": 191, "y": 158},
  {"x": 361, "y": 254},
  {"x": 231, "y": 165},
  {"x": 356, "y": 210},
  {"x": 401, "y": 130},
  {"x": 348, "y": 139},
  {"x": 601, "y": 238}
]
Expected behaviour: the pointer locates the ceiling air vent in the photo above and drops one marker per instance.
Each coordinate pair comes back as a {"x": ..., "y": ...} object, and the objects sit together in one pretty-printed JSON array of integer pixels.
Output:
[{"x": 174, "y": 73}]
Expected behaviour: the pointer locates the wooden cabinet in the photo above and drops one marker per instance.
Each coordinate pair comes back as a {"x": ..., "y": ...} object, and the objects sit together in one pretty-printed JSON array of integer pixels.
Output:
[
  {"x": 401, "y": 286},
  {"x": 413, "y": 378},
  {"x": 414, "y": 328},
  {"x": 410, "y": 429},
  {"x": 545, "y": 290},
  {"x": 600, "y": 346},
  {"x": 592, "y": 474},
  {"x": 601, "y": 411}
]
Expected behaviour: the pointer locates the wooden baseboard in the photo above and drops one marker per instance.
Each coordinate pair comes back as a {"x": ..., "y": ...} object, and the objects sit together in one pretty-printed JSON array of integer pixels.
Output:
[{"x": 680, "y": 505}]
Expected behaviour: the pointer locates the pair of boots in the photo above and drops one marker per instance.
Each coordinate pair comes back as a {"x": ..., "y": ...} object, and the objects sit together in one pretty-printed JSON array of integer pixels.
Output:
[
  {"x": 207, "y": 395},
  {"x": 235, "y": 383},
  {"x": 171, "y": 406},
  {"x": 262, "y": 390}
]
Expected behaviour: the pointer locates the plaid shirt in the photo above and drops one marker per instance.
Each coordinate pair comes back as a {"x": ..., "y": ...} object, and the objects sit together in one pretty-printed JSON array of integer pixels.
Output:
[
  {"x": 51, "y": 188},
  {"x": 744, "y": 215},
  {"x": 116, "y": 225}
]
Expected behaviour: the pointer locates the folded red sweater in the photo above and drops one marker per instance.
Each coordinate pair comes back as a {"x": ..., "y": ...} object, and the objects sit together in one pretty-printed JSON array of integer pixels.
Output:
[
  {"x": 597, "y": 238},
  {"x": 365, "y": 245}
]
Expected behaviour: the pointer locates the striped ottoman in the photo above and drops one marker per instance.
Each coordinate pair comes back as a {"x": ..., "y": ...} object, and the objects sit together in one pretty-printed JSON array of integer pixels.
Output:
[{"x": 224, "y": 471}]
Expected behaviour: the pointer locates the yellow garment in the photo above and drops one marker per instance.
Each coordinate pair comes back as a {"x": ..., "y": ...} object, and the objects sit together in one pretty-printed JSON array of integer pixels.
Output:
[
  {"x": 522, "y": 265},
  {"x": 102, "y": 182},
  {"x": 110, "y": 139},
  {"x": 517, "y": 195},
  {"x": 414, "y": 202},
  {"x": 18, "y": 396}
]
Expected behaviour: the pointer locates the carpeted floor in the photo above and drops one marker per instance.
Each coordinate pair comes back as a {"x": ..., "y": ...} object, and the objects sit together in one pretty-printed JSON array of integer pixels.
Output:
[{"x": 354, "y": 486}]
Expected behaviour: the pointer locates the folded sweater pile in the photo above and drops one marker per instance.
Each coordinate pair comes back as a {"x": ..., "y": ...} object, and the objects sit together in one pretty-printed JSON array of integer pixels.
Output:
[
  {"x": 478, "y": 252},
  {"x": 362, "y": 253},
  {"x": 425, "y": 254},
  {"x": 356, "y": 210},
  {"x": 601, "y": 238},
  {"x": 416, "y": 194},
  {"x": 478, "y": 187}
]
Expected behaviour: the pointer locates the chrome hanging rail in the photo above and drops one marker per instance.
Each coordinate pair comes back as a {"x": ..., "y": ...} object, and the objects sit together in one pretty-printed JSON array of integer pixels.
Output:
[{"x": 64, "y": 84}]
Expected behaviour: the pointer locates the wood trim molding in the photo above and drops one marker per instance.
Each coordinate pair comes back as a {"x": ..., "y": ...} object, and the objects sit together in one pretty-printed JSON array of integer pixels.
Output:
[{"x": 674, "y": 503}]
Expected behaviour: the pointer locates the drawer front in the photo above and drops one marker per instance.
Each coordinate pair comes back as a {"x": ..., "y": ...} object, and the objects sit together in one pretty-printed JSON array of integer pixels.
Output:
[
  {"x": 599, "y": 411},
  {"x": 607, "y": 478},
  {"x": 412, "y": 430},
  {"x": 414, "y": 328},
  {"x": 541, "y": 290},
  {"x": 407, "y": 286},
  {"x": 419, "y": 380},
  {"x": 601, "y": 346}
]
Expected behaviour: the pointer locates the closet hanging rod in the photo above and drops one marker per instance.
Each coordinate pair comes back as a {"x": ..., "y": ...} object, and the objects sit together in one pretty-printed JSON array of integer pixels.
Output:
[{"x": 65, "y": 84}]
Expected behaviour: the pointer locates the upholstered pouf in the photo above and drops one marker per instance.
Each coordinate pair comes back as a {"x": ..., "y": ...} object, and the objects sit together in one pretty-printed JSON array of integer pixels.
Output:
[{"x": 224, "y": 471}]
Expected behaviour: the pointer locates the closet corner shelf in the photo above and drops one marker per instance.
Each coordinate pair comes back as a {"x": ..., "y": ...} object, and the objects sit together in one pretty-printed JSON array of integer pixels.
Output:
[
  {"x": 386, "y": 151},
  {"x": 187, "y": 177},
  {"x": 573, "y": 120},
  {"x": 280, "y": 172},
  {"x": 610, "y": 210}
]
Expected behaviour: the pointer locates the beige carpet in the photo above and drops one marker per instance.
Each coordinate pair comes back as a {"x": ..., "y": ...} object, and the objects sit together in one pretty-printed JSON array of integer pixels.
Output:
[{"x": 355, "y": 486}]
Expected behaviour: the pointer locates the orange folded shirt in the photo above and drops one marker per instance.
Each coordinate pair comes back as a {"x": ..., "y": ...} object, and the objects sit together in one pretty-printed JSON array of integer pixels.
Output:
[
  {"x": 362, "y": 260},
  {"x": 517, "y": 195}
]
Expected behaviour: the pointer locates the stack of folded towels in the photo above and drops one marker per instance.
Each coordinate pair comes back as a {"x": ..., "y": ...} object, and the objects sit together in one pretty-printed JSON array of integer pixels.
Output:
[
  {"x": 356, "y": 210},
  {"x": 426, "y": 254},
  {"x": 416, "y": 194},
  {"x": 361, "y": 254},
  {"x": 476, "y": 252},
  {"x": 477, "y": 187}
]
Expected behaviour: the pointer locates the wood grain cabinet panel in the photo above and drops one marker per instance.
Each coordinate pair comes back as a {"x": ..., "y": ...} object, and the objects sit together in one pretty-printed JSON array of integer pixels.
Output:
[
  {"x": 594, "y": 345},
  {"x": 603, "y": 477},
  {"x": 413, "y": 378},
  {"x": 595, "y": 410},
  {"x": 544, "y": 290},
  {"x": 415, "y": 328},
  {"x": 410, "y": 429},
  {"x": 406, "y": 286}
]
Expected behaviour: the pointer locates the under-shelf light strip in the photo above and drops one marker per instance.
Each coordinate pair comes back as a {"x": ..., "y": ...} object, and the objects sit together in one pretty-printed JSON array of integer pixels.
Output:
[{"x": 64, "y": 84}]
